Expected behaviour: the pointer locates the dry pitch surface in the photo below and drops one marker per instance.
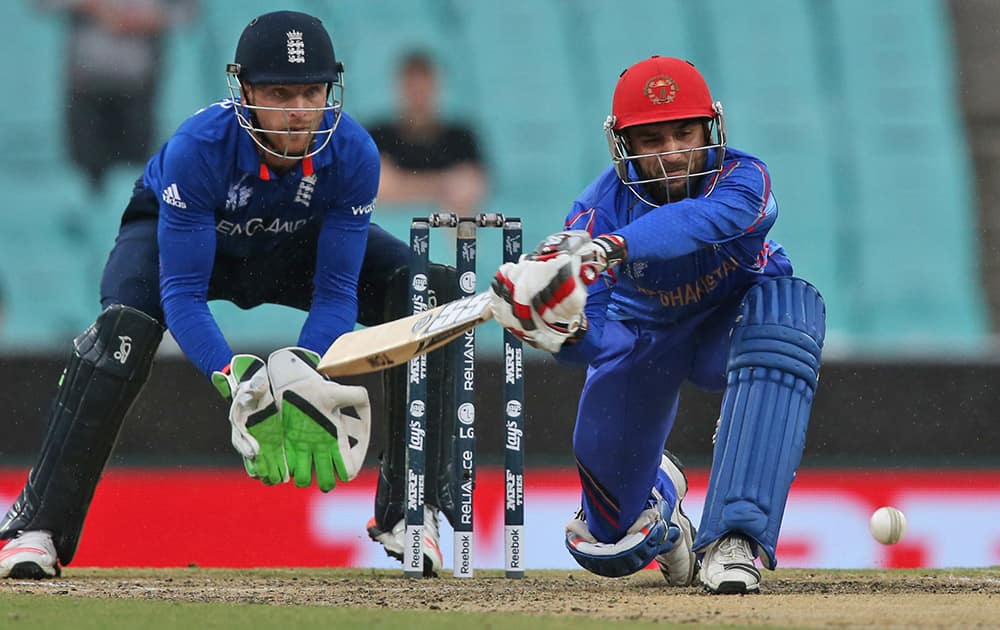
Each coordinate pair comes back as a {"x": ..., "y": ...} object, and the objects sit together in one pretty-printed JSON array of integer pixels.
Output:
[{"x": 789, "y": 597}]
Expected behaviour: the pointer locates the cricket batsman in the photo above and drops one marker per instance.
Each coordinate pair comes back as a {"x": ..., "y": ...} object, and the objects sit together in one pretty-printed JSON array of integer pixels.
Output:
[{"x": 664, "y": 275}]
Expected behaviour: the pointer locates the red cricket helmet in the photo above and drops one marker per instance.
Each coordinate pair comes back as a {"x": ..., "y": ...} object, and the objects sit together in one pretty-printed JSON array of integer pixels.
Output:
[{"x": 661, "y": 89}]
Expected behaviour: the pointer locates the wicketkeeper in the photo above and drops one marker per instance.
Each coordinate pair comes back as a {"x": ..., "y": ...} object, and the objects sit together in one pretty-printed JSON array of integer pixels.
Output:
[{"x": 266, "y": 197}]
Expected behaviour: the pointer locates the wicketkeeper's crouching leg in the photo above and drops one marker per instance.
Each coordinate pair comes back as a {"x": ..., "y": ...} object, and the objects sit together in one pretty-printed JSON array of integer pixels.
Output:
[
  {"x": 387, "y": 526},
  {"x": 108, "y": 367}
]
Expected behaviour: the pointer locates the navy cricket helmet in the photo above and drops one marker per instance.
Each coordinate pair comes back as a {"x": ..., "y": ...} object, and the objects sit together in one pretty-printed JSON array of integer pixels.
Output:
[{"x": 286, "y": 47}]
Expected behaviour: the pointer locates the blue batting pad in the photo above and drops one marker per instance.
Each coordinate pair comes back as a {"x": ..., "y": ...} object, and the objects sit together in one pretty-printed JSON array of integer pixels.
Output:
[{"x": 773, "y": 369}]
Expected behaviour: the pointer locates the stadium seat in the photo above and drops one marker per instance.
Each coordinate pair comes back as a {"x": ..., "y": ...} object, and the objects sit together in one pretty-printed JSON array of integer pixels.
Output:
[
  {"x": 605, "y": 42},
  {"x": 194, "y": 75},
  {"x": 32, "y": 41},
  {"x": 852, "y": 105},
  {"x": 776, "y": 109},
  {"x": 370, "y": 37},
  {"x": 913, "y": 248},
  {"x": 45, "y": 265},
  {"x": 529, "y": 105},
  {"x": 263, "y": 328}
]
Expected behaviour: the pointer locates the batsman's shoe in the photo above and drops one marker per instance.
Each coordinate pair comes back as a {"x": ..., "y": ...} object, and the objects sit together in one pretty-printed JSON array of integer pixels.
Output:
[
  {"x": 679, "y": 565},
  {"x": 393, "y": 540},
  {"x": 29, "y": 556},
  {"x": 727, "y": 568}
]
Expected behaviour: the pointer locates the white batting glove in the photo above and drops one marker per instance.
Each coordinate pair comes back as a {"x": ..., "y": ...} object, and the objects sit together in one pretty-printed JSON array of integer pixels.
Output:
[
  {"x": 541, "y": 298},
  {"x": 540, "y": 301},
  {"x": 596, "y": 255}
]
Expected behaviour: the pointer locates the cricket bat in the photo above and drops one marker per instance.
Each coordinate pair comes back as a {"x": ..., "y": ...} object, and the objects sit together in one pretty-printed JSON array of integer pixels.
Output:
[{"x": 379, "y": 347}]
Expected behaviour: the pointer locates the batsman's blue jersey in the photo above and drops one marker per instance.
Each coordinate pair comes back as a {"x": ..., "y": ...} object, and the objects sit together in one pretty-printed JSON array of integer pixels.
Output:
[
  {"x": 684, "y": 258},
  {"x": 662, "y": 318},
  {"x": 219, "y": 201}
]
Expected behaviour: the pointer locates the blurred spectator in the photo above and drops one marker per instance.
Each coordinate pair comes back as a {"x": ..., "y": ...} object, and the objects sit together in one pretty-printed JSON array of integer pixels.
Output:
[
  {"x": 978, "y": 57},
  {"x": 3, "y": 305},
  {"x": 426, "y": 160},
  {"x": 113, "y": 72}
]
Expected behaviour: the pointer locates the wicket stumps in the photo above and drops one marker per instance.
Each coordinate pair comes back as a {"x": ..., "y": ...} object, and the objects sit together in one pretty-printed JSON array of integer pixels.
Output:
[{"x": 464, "y": 413}]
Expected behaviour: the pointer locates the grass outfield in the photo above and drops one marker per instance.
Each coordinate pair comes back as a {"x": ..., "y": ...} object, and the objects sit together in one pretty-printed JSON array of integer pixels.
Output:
[
  {"x": 46, "y": 611},
  {"x": 152, "y": 599}
]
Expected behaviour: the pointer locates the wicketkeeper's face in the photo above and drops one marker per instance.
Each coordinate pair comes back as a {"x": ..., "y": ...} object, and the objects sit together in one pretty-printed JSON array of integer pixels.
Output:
[
  {"x": 287, "y": 115},
  {"x": 666, "y": 154}
]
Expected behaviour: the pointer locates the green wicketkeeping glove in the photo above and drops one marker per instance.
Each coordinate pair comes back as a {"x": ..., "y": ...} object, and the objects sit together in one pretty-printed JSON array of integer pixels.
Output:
[
  {"x": 257, "y": 433},
  {"x": 319, "y": 434}
]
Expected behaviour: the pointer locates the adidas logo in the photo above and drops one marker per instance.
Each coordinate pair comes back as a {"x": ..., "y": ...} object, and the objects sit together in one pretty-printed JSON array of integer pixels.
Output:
[{"x": 173, "y": 197}]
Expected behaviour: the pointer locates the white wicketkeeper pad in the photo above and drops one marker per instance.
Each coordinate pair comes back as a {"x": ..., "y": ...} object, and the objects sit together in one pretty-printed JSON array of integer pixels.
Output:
[{"x": 293, "y": 375}]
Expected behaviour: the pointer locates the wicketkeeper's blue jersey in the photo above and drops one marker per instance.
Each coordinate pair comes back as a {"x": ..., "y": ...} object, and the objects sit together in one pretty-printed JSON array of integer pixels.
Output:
[{"x": 217, "y": 199}]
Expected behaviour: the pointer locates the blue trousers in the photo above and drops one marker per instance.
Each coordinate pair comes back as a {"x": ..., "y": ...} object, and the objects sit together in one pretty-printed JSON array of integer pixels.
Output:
[{"x": 628, "y": 407}]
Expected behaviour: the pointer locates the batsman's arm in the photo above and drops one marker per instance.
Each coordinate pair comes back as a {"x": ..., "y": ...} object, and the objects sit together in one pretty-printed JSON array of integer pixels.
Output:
[
  {"x": 741, "y": 204},
  {"x": 607, "y": 247}
]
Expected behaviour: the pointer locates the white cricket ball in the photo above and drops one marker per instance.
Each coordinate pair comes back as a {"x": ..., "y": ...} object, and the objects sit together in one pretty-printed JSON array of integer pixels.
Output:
[{"x": 888, "y": 525}]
